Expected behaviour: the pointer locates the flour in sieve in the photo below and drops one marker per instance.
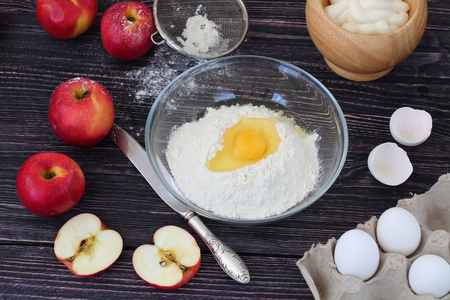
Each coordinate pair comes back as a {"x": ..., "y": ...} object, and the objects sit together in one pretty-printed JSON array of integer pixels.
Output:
[
  {"x": 201, "y": 35},
  {"x": 266, "y": 188}
]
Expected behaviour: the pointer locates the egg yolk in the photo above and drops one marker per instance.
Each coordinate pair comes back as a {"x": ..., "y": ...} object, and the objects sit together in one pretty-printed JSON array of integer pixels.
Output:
[
  {"x": 246, "y": 143},
  {"x": 249, "y": 145}
]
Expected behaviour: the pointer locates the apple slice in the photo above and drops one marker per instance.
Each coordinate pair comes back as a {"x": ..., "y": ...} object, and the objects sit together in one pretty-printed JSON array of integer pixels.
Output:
[
  {"x": 86, "y": 246},
  {"x": 171, "y": 262}
]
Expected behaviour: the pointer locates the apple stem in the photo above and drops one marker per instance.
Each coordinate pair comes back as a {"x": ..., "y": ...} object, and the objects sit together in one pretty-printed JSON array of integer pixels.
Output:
[
  {"x": 86, "y": 243},
  {"x": 50, "y": 175},
  {"x": 81, "y": 95}
]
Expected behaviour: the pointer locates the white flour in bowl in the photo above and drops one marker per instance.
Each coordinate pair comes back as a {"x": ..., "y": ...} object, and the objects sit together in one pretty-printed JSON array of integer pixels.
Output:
[{"x": 266, "y": 188}]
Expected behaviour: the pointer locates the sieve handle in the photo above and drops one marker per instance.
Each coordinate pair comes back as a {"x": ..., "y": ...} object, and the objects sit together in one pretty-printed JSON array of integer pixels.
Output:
[
  {"x": 156, "y": 42},
  {"x": 230, "y": 262}
]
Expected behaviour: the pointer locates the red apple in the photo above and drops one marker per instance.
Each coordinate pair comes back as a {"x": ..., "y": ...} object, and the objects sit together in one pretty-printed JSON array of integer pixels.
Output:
[
  {"x": 126, "y": 30},
  {"x": 171, "y": 262},
  {"x": 81, "y": 112},
  {"x": 86, "y": 246},
  {"x": 66, "y": 19},
  {"x": 50, "y": 184}
]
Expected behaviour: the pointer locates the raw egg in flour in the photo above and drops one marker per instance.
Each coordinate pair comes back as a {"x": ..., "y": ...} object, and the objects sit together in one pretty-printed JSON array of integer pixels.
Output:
[{"x": 246, "y": 143}]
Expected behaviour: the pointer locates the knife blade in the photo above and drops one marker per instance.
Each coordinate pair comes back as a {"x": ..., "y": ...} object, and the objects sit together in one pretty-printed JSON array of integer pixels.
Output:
[{"x": 228, "y": 260}]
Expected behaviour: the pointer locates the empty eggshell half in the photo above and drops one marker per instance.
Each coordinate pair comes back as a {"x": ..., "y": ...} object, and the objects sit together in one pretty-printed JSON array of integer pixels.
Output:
[
  {"x": 410, "y": 127},
  {"x": 389, "y": 164}
]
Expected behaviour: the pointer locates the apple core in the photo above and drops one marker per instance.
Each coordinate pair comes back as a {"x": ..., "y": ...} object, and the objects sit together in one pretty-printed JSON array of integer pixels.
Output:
[
  {"x": 168, "y": 256},
  {"x": 84, "y": 246}
]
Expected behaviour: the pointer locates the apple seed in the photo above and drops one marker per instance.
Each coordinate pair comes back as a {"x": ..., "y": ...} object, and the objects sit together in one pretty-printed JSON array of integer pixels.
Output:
[{"x": 170, "y": 257}]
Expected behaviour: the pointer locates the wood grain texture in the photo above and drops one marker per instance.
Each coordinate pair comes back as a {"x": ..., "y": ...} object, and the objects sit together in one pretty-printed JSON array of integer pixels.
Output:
[{"x": 32, "y": 64}]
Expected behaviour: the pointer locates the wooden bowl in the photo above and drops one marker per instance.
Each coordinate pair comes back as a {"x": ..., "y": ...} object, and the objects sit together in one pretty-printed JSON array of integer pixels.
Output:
[{"x": 362, "y": 57}]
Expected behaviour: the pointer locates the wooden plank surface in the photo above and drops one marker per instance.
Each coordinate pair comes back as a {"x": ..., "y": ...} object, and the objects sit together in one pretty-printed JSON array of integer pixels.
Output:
[{"x": 32, "y": 64}]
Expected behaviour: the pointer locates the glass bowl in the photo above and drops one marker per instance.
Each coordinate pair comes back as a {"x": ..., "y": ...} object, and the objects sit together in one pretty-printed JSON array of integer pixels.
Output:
[{"x": 259, "y": 81}]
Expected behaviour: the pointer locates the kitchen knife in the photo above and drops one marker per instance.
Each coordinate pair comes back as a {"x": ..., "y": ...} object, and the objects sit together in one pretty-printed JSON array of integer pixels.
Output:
[{"x": 230, "y": 262}]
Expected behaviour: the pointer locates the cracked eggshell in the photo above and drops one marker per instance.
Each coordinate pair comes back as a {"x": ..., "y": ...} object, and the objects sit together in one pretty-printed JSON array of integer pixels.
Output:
[
  {"x": 410, "y": 127},
  {"x": 389, "y": 164}
]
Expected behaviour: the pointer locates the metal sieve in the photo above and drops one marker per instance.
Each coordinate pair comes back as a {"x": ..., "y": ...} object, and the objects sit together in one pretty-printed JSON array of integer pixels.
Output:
[{"x": 229, "y": 17}]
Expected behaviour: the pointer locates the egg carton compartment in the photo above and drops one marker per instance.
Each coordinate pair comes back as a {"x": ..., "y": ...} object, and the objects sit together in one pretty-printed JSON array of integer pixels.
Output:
[{"x": 432, "y": 211}]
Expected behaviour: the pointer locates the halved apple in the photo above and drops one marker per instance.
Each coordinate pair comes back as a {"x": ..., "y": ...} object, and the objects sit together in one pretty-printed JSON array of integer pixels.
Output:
[
  {"x": 171, "y": 262},
  {"x": 86, "y": 246}
]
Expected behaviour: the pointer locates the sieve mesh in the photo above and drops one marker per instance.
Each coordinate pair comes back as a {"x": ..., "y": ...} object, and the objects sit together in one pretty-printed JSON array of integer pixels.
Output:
[{"x": 230, "y": 16}]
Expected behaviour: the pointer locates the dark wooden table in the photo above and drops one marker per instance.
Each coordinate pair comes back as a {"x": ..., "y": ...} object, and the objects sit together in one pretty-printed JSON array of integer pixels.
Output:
[{"x": 32, "y": 64}]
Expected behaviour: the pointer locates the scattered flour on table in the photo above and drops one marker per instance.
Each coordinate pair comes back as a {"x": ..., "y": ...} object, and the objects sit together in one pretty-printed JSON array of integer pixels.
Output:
[
  {"x": 266, "y": 188},
  {"x": 151, "y": 81},
  {"x": 145, "y": 83},
  {"x": 201, "y": 34},
  {"x": 163, "y": 67}
]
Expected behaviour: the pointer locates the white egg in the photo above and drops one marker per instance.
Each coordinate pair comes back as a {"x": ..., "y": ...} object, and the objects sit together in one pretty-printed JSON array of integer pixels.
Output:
[
  {"x": 356, "y": 254},
  {"x": 398, "y": 231},
  {"x": 389, "y": 164},
  {"x": 410, "y": 127},
  {"x": 430, "y": 275}
]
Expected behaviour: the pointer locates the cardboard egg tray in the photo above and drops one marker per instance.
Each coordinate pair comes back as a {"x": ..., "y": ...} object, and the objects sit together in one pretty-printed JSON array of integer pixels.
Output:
[{"x": 432, "y": 211}]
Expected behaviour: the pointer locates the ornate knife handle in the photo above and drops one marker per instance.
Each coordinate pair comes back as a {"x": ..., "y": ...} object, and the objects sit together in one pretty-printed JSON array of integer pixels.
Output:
[{"x": 230, "y": 262}]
